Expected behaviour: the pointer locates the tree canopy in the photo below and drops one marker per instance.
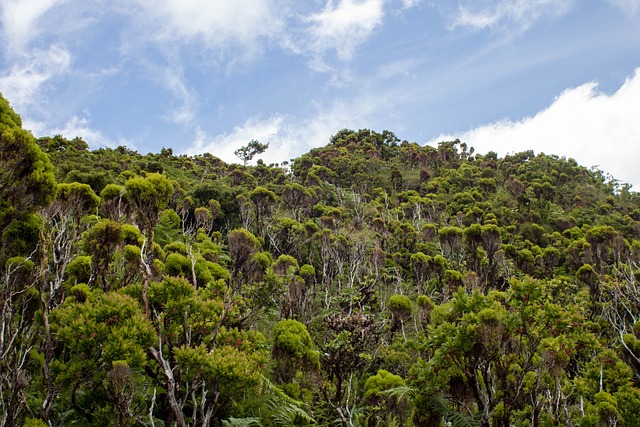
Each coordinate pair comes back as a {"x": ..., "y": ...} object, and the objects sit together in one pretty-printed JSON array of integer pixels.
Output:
[{"x": 372, "y": 282}]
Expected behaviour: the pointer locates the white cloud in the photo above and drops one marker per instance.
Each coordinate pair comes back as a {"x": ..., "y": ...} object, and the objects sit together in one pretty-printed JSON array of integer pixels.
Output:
[
  {"x": 24, "y": 84},
  {"x": 287, "y": 137},
  {"x": 515, "y": 15},
  {"x": 224, "y": 145},
  {"x": 188, "y": 32},
  {"x": 81, "y": 126},
  {"x": 594, "y": 128},
  {"x": 213, "y": 22},
  {"x": 344, "y": 26},
  {"x": 76, "y": 126},
  {"x": 20, "y": 19}
]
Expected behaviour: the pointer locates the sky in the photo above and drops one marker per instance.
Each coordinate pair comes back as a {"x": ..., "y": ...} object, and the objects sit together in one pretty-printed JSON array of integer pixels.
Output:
[{"x": 555, "y": 76}]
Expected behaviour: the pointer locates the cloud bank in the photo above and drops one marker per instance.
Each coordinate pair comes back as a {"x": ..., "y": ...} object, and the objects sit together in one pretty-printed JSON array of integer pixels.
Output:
[{"x": 594, "y": 128}]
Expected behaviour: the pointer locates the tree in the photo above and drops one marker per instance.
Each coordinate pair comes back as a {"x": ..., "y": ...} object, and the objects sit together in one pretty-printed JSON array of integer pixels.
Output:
[
  {"x": 26, "y": 175},
  {"x": 100, "y": 241},
  {"x": 148, "y": 197},
  {"x": 343, "y": 355},
  {"x": 247, "y": 152},
  {"x": 508, "y": 353},
  {"x": 18, "y": 335},
  {"x": 292, "y": 350},
  {"x": 101, "y": 341},
  {"x": 451, "y": 241},
  {"x": 297, "y": 199},
  {"x": 63, "y": 223},
  {"x": 204, "y": 364},
  {"x": 401, "y": 308},
  {"x": 26, "y": 184},
  {"x": 385, "y": 408},
  {"x": 262, "y": 200}
]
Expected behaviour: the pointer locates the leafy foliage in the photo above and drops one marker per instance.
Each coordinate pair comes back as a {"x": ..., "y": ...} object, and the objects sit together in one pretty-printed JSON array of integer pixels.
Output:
[{"x": 371, "y": 282}]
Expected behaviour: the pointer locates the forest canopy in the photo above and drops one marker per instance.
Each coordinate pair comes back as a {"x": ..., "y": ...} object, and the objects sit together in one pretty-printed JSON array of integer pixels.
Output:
[{"x": 370, "y": 282}]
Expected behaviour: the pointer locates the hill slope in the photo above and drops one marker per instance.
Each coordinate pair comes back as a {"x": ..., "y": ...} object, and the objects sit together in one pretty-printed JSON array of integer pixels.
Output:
[{"x": 370, "y": 282}]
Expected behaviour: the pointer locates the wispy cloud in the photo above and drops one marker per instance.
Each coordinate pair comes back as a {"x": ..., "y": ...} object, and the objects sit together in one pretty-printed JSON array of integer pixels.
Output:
[
  {"x": 343, "y": 26},
  {"x": 184, "y": 112},
  {"x": 511, "y": 15},
  {"x": 629, "y": 7},
  {"x": 215, "y": 23},
  {"x": 81, "y": 127},
  {"x": 594, "y": 128},
  {"x": 20, "y": 19},
  {"x": 25, "y": 83},
  {"x": 408, "y": 4}
]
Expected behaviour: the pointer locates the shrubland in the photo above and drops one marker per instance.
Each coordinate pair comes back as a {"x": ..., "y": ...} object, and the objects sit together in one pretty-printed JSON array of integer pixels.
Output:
[{"x": 369, "y": 282}]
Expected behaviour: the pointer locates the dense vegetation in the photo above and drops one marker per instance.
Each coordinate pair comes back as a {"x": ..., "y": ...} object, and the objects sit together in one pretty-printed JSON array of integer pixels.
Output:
[{"x": 371, "y": 282}]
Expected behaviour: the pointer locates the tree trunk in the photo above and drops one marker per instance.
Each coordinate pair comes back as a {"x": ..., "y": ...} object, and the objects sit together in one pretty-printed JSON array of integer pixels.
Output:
[{"x": 171, "y": 386}]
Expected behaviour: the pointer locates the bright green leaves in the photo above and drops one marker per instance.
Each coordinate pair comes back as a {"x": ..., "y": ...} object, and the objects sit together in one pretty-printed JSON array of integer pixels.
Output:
[
  {"x": 103, "y": 341},
  {"x": 110, "y": 326},
  {"x": 26, "y": 175},
  {"x": 168, "y": 228},
  {"x": 148, "y": 197},
  {"x": 77, "y": 199},
  {"x": 201, "y": 349},
  {"x": 227, "y": 370},
  {"x": 401, "y": 309},
  {"x": 292, "y": 350},
  {"x": 26, "y": 178},
  {"x": 501, "y": 343},
  {"x": 384, "y": 408},
  {"x": 9, "y": 119},
  {"x": 382, "y": 381},
  {"x": 101, "y": 241}
]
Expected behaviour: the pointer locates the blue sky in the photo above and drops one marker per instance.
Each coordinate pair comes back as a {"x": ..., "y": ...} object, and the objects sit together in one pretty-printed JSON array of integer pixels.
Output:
[{"x": 556, "y": 76}]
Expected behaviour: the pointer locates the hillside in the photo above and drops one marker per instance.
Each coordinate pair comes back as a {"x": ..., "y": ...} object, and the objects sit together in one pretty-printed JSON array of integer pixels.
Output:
[{"x": 369, "y": 282}]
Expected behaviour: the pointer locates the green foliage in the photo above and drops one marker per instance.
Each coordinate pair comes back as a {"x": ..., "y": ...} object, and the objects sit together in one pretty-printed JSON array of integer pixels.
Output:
[
  {"x": 242, "y": 422},
  {"x": 382, "y": 381},
  {"x": 78, "y": 199},
  {"x": 26, "y": 175},
  {"x": 79, "y": 269},
  {"x": 21, "y": 236},
  {"x": 95, "y": 336},
  {"x": 9, "y": 119},
  {"x": 502, "y": 289},
  {"x": 148, "y": 197},
  {"x": 168, "y": 229},
  {"x": 292, "y": 350},
  {"x": 177, "y": 265},
  {"x": 401, "y": 306}
]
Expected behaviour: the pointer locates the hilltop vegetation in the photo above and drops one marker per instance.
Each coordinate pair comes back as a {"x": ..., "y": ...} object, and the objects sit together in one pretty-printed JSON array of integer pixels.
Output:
[{"x": 371, "y": 282}]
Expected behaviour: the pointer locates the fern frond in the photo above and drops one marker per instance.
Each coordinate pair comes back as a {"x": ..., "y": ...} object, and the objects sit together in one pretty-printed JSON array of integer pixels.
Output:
[
  {"x": 440, "y": 405},
  {"x": 283, "y": 410},
  {"x": 401, "y": 393},
  {"x": 242, "y": 422}
]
